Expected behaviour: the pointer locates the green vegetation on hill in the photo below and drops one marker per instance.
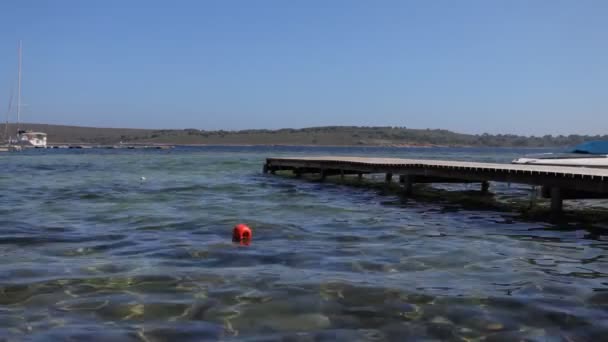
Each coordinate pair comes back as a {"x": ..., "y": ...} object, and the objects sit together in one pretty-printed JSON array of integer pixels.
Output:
[{"x": 329, "y": 135}]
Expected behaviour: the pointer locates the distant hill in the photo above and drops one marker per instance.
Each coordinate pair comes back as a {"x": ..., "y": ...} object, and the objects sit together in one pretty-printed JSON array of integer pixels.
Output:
[
  {"x": 58, "y": 134},
  {"x": 328, "y": 136}
]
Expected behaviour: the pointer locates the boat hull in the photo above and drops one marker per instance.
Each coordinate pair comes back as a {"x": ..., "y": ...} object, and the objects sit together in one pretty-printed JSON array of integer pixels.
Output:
[
  {"x": 593, "y": 162},
  {"x": 31, "y": 139}
]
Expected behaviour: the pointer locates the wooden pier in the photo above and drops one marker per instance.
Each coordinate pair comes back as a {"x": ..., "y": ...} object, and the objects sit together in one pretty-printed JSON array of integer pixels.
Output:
[{"x": 558, "y": 183}]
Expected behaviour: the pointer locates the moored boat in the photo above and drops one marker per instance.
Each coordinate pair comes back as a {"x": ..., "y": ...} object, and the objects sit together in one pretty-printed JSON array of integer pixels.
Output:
[
  {"x": 24, "y": 138},
  {"x": 31, "y": 139},
  {"x": 592, "y": 154}
]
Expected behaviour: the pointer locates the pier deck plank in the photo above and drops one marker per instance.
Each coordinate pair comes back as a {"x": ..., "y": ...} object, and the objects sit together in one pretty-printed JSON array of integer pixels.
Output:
[{"x": 431, "y": 163}]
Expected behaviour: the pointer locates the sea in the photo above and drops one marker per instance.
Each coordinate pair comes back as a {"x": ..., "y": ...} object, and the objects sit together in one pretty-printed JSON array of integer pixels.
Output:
[{"x": 135, "y": 245}]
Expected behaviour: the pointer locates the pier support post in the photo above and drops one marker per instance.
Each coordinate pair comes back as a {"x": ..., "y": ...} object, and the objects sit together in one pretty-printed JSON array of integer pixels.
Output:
[
  {"x": 485, "y": 186},
  {"x": 556, "y": 201},
  {"x": 360, "y": 176},
  {"x": 323, "y": 174},
  {"x": 533, "y": 196},
  {"x": 388, "y": 177},
  {"x": 407, "y": 184},
  {"x": 341, "y": 174},
  {"x": 265, "y": 169},
  {"x": 297, "y": 172}
]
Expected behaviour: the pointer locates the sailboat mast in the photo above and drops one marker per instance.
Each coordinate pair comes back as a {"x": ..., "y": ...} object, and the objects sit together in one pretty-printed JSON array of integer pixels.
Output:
[
  {"x": 8, "y": 113},
  {"x": 19, "y": 89}
]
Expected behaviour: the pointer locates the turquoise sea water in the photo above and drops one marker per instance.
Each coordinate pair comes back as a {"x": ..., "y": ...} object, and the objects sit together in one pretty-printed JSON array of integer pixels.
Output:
[{"x": 90, "y": 251}]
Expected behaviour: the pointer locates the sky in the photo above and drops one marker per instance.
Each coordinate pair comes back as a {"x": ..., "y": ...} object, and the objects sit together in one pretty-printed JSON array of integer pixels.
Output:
[{"x": 529, "y": 67}]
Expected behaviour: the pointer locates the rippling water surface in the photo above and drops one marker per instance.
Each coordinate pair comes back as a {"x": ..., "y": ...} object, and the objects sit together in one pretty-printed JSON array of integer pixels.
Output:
[{"x": 90, "y": 251}]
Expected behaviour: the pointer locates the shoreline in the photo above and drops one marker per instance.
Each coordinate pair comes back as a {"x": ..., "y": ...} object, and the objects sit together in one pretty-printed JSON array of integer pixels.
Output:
[
  {"x": 322, "y": 136},
  {"x": 53, "y": 145}
]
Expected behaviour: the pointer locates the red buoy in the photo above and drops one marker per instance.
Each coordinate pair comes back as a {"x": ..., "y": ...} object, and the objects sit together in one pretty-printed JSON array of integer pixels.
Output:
[{"x": 241, "y": 233}]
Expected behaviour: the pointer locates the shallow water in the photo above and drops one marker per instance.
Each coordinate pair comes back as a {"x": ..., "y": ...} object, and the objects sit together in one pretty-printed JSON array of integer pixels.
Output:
[{"x": 91, "y": 251}]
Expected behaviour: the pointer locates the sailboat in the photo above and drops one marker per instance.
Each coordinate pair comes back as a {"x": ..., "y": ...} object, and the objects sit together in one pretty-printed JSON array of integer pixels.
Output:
[{"x": 26, "y": 138}]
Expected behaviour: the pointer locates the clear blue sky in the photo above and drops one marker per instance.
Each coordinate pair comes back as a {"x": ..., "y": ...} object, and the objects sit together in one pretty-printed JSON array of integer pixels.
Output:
[{"x": 527, "y": 67}]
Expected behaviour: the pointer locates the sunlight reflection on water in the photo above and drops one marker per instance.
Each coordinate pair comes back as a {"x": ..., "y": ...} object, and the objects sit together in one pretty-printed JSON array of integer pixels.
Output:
[{"x": 91, "y": 251}]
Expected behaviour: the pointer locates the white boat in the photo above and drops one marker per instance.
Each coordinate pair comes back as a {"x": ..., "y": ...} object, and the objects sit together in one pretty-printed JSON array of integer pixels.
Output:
[
  {"x": 31, "y": 139},
  {"x": 592, "y": 154},
  {"x": 25, "y": 138}
]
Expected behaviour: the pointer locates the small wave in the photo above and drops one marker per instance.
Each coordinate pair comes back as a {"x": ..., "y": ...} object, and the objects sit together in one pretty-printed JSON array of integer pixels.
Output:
[{"x": 44, "y": 239}]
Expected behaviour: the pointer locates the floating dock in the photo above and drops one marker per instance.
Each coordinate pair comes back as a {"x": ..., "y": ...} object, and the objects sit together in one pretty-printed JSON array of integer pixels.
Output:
[
  {"x": 558, "y": 183},
  {"x": 90, "y": 146},
  {"x": 11, "y": 148}
]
